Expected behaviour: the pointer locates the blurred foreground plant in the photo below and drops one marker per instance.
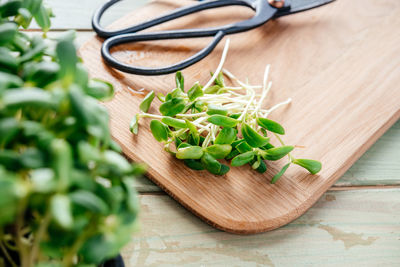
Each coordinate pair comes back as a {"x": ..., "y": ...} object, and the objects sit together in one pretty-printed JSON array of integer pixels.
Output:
[{"x": 66, "y": 194}]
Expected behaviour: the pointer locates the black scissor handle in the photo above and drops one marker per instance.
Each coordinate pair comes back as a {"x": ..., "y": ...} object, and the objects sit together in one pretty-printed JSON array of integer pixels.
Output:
[
  {"x": 263, "y": 12},
  {"x": 177, "y": 13},
  {"x": 128, "y": 38}
]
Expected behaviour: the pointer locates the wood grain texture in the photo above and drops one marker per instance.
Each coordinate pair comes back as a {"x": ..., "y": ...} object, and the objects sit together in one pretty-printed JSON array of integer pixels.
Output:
[
  {"x": 345, "y": 228},
  {"x": 341, "y": 67},
  {"x": 380, "y": 165}
]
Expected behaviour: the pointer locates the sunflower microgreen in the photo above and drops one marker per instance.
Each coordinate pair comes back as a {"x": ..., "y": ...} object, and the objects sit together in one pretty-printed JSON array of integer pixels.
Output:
[{"x": 217, "y": 122}]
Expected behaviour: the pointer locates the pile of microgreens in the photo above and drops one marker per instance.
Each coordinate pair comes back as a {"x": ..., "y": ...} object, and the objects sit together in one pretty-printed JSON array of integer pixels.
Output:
[{"x": 217, "y": 121}]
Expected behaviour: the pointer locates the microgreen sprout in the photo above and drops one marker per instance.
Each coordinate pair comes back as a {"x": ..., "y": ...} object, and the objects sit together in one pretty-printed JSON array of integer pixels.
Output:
[{"x": 219, "y": 121}]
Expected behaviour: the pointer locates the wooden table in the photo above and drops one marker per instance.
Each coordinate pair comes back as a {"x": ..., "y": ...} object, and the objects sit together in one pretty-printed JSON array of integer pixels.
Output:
[{"x": 356, "y": 223}]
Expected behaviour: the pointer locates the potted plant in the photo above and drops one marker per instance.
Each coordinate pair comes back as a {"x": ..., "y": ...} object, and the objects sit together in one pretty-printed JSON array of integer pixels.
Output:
[{"x": 66, "y": 194}]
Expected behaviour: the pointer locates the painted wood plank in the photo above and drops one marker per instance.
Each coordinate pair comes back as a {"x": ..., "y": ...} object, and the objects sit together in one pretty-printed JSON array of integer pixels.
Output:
[
  {"x": 380, "y": 165},
  {"x": 77, "y": 14},
  {"x": 344, "y": 228}
]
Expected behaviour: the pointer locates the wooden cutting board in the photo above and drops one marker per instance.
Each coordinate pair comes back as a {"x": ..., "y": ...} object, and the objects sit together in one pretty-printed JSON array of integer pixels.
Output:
[{"x": 339, "y": 63}]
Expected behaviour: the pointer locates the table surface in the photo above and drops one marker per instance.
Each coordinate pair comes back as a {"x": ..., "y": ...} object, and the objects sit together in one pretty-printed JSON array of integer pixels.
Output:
[{"x": 355, "y": 223}]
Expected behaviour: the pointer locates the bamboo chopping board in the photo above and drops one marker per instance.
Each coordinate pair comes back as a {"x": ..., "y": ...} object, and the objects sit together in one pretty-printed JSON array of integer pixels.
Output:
[{"x": 339, "y": 63}]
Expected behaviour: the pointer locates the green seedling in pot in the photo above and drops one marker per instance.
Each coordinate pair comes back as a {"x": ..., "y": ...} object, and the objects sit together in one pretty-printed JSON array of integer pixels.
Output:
[{"x": 214, "y": 122}]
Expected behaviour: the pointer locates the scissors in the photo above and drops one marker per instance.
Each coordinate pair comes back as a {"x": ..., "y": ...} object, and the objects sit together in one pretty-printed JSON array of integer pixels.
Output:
[{"x": 264, "y": 10}]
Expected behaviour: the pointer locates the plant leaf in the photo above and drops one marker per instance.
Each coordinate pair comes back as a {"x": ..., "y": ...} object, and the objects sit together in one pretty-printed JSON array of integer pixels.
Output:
[
  {"x": 89, "y": 201},
  {"x": 262, "y": 168},
  {"x": 313, "y": 166},
  {"x": 226, "y": 136},
  {"x": 252, "y": 137},
  {"x": 190, "y": 152},
  {"x": 223, "y": 121},
  {"x": 172, "y": 106},
  {"x": 134, "y": 124},
  {"x": 211, "y": 164},
  {"x": 219, "y": 151},
  {"x": 194, "y": 164},
  {"x": 195, "y": 92},
  {"x": 68, "y": 59},
  {"x": 224, "y": 169},
  {"x": 214, "y": 109},
  {"x": 145, "y": 105},
  {"x": 212, "y": 89},
  {"x": 271, "y": 125},
  {"x": 280, "y": 173},
  {"x": 42, "y": 17},
  {"x": 7, "y": 32},
  {"x": 242, "y": 159},
  {"x": 159, "y": 130},
  {"x": 179, "y": 80},
  {"x": 60, "y": 207},
  {"x": 243, "y": 147},
  {"x": 277, "y": 152}
]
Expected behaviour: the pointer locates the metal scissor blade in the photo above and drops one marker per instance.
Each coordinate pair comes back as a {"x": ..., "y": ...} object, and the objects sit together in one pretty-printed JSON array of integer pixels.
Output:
[{"x": 295, "y": 6}]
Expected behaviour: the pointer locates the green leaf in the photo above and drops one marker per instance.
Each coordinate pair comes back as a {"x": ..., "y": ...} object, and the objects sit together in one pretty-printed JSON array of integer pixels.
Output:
[
  {"x": 242, "y": 159},
  {"x": 190, "y": 152},
  {"x": 32, "y": 158},
  {"x": 7, "y": 32},
  {"x": 277, "y": 152},
  {"x": 194, "y": 164},
  {"x": 42, "y": 73},
  {"x": 219, "y": 151},
  {"x": 145, "y": 105},
  {"x": 42, "y": 18},
  {"x": 211, "y": 164},
  {"x": 223, "y": 121},
  {"x": 89, "y": 201},
  {"x": 172, "y": 107},
  {"x": 313, "y": 166},
  {"x": 9, "y": 81},
  {"x": 243, "y": 147},
  {"x": 161, "y": 97},
  {"x": 60, "y": 208},
  {"x": 212, "y": 89},
  {"x": 233, "y": 154},
  {"x": 224, "y": 169},
  {"x": 33, "y": 5},
  {"x": 220, "y": 80},
  {"x": 177, "y": 92},
  {"x": 33, "y": 97},
  {"x": 9, "y": 198},
  {"x": 252, "y": 137},
  {"x": 195, "y": 92},
  {"x": 237, "y": 142},
  {"x": 159, "y": 130},
  {"x": 134, "y": 124},
  {"x": 68, "y": 59},
  {"x": 8, "y": 61},
  {"x": 262, "y": 168},
  {"x": 176, "y": 123},
  {"x": 117, "y": 161},
  {"x": 226, "y": 136},
  {"x": 214, "y": 109},
  {"x": 180, "y": 81},
  {"x": 10, "y": 8},
  {"x": 271, "y": 125},
  {"x": 61, "y": 161},
  {"x": 9, "y": 128},
  {"x": 23, "y": 18},
  {"x": 280, "y": 173},
  {"x": 43, "y": 180},
  {"x": 99, "y": 89}
]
